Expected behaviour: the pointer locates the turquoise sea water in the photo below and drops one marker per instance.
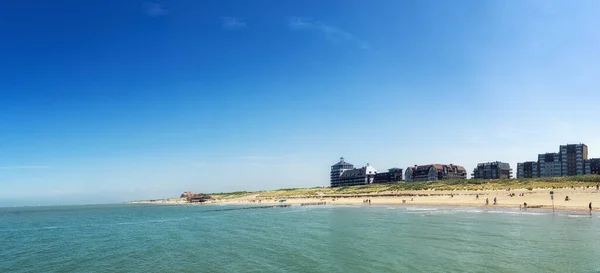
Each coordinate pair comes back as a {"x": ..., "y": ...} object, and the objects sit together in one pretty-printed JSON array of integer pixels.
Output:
[{"x": 143, "y": 238}]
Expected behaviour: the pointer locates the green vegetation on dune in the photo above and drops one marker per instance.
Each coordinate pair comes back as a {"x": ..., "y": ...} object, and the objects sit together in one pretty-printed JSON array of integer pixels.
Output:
[
  {"x": 230, "y": 195},
  {"x": 445, "y": 185}
]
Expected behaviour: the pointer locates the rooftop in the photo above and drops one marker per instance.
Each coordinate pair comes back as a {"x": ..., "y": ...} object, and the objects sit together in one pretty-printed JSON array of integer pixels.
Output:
[{"x": 342, "y": 163}]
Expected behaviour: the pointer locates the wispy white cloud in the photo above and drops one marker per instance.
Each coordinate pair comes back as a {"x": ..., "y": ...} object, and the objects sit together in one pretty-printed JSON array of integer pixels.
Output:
[
  {"x": 22, "y": 167},
  {"x": 301, "y": 22},
  {"x": 329, "y": 31},
  {"x": 232, "y": 23},
  {"x": 154, "y": 9}
]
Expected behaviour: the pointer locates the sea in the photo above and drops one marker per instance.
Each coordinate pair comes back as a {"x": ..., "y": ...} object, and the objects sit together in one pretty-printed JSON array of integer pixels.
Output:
[{"x": 214, "y": 238}]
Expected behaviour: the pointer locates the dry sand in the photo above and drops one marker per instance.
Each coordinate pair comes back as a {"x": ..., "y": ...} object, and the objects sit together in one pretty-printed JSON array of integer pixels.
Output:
[{"x": 538, "y": 198}]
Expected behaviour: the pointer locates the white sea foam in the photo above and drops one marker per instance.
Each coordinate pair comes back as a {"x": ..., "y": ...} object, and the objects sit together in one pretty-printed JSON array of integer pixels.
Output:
[
  {"x": 578, "y": 216},
  {"x": 422, "y": 209},
  {"x": 28, "y": 229},
  {"x": 469, "y": 210},
  {"x": 126, "y": 223},
  {"x": 515, "y": 212}
]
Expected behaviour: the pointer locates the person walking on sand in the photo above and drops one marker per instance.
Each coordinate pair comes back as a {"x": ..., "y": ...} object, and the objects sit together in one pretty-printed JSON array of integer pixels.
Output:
[
  {"x": 495, "y": 203},
  {"x": 487, "y": 201}
]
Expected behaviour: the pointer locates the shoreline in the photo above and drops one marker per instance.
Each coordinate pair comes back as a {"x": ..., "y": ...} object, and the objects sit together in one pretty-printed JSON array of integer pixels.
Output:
[
  {"x": 431, "y": 205},
  {"x": 535, "y": 199}
]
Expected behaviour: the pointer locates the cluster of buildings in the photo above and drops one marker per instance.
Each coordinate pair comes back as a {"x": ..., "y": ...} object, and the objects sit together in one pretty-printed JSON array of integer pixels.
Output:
[
  {"x": 345, "y": 174},
  {"x": 571, "y": 159}
]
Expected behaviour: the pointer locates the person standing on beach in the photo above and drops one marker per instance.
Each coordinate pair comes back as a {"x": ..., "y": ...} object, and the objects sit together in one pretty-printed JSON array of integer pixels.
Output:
[
  {"x": 495, "y": 201},
  {"x": 590, "y": 206},
  {"x": 487, "y": 201}
]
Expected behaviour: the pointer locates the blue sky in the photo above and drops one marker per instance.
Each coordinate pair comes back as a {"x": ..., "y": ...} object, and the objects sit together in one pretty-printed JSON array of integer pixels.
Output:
[{"x": 107, "y": 101}]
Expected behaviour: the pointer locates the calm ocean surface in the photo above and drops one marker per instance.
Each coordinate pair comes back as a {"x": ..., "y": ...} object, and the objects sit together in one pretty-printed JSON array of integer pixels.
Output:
[{"x": 146, "y": 238}]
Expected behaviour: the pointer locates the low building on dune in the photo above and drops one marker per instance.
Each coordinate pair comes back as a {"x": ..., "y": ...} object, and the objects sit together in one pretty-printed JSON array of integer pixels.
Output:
[
  {"x": 528, "y": 169},
  {"x": 185, "y": 194},
  {"x": 433, "y": 172},
  {"x": 198, "y": 198},
  {"x": 393, "y": 175},
  {"x": 492, "y": 170},
  {"x": 592, "y": 166}
]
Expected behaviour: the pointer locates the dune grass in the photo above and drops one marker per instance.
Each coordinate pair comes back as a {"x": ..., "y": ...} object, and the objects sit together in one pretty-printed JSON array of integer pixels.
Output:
[{"x": 230, "y": 195}]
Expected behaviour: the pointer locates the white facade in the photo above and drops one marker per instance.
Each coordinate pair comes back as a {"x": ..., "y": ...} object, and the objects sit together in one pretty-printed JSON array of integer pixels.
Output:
[{"x": 370, "y": 173}]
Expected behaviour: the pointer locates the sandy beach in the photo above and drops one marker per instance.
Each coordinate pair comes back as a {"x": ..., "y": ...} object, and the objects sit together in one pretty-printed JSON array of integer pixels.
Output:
[{"x": 579, "y": 199}]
